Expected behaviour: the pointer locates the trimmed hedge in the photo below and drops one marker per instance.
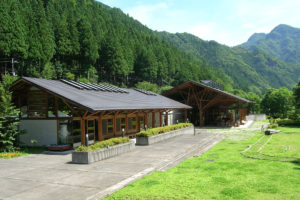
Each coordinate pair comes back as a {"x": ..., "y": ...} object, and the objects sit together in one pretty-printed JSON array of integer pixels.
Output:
[
  {"x": 165, "y": 129},
  {"x": 103, "y": 144},
  {"x": 288, "y": 122}
]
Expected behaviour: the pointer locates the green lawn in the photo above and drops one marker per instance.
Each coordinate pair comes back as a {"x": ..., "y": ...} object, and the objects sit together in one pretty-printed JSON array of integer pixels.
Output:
[
  {"x": 22, "y": 152},
  {"x": 223, "y": 173}
]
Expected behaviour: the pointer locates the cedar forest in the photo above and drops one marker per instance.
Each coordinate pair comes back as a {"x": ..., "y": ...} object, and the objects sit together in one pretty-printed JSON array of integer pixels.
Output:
[{"x": 86, "y": 40}]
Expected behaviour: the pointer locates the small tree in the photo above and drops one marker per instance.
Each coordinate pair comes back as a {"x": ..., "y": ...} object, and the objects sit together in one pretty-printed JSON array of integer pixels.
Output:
[
  {"x": 9, "y": 117},
  {"x": 277, "y": 102}
]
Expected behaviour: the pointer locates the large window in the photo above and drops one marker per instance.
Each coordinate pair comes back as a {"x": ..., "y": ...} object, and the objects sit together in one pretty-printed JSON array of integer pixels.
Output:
[
  {"x": 37, "y": 103},
  {"x": 69, "y": 131},
  {"x": 142, "y": 124},
  {"x": 107, "y": 126},
  {"x": 131, "y": 123},
  {"x": 121, "y": 123}
]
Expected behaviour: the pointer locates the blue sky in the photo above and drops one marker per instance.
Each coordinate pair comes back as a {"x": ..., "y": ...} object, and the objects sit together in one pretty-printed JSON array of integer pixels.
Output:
[{"x": 229, "y": 22}]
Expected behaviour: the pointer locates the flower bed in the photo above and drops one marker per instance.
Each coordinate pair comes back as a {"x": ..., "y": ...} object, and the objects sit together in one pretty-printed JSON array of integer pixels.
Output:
[
  {"x": 102, "y": 150},
  {"x": 155, "y": 135}
]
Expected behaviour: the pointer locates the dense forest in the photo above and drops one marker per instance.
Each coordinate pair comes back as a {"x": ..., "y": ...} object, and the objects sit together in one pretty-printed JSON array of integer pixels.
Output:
[
  {"x": 252, "y": 70},
  {"x": 84, "y": 39},
  {"x": 88, "y": 41},
  {"x": 283, "y": 42}
]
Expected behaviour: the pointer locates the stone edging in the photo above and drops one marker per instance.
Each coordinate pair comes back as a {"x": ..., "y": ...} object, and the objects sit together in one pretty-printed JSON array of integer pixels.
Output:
[
  {"x": 143, "y": 141},
  {"x": 101, "y": 154}
]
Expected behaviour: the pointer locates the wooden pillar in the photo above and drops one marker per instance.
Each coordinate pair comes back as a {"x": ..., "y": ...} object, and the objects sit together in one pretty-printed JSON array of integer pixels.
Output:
[
  {"x": 200, "y": 114},
  {"x": 153, "y": 119},
  {"x": 100, "y": 136},
  {"x": 167, "y": 118},
  {"x": 160, "y": 119},
  {"x": 82, "y": 126},
  {"x": 185, "y": 115}
]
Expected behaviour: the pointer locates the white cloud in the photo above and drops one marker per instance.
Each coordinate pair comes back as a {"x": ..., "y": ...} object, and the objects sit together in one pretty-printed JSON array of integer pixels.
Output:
[{"x": 146, "y": 13}]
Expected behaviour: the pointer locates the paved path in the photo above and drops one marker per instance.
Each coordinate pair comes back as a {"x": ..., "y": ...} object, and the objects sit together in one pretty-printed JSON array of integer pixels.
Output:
[{"x": 44, "y": 176}]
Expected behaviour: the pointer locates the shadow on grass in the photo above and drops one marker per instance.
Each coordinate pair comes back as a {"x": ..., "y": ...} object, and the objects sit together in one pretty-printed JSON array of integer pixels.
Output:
[{"x": 296, "y": 162}]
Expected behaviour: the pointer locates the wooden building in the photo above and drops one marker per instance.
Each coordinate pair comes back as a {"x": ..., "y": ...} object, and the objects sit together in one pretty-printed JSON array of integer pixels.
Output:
[
  {"x": 212, "y": 106},
  {"x": 62, "y": 112}
]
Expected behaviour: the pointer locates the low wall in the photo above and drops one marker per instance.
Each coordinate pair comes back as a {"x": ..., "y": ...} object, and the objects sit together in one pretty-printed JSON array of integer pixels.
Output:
[
  {"x": 256, "y": 117},
  {"x": 164, "y": 136},
  {"x": 43, "y": 131},
  {"x": 101, "y": 154}
]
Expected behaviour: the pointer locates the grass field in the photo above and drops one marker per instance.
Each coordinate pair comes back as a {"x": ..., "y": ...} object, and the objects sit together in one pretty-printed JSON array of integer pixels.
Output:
[
  {"x": 22, "y": 152},
  {"x": 223, "y": 173}
]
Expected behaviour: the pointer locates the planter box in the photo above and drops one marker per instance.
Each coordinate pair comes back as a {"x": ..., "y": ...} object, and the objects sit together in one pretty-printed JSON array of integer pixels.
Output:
[
  {"x": 164, "y": 136},
  {"x": 101, "y": 154}
]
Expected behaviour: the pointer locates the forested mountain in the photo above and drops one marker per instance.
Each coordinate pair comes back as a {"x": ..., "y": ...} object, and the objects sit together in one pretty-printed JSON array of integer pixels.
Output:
[
  {"x": 252, "y": 70},
  {"x": 85, "y": 39},
  {"x": 283, "y": 42},
  {"x": 56, "y": 38}
]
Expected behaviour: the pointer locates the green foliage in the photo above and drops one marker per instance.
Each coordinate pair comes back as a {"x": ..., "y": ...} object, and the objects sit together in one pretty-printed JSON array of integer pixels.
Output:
[
  {"x": 277, "y": 103},
  {"x": 70, "y": 76},
  {"x": 165, "y": 129},
  {"x": 282, "y": 43},
  {"x": 288, "y": 122},
  {"x": 49, "y": 71},
  {"x": 103, "y": 144},
  {"x": 297, "y": 95},
  {"x": 250, "y": 70},
  {"x": 152, "y": 87},
  {"x": 147, "y": 86},
  {"x": 9, "y": 117},
  {"x": 92, "y": 75},
  {"x": 222, "y": 173}
]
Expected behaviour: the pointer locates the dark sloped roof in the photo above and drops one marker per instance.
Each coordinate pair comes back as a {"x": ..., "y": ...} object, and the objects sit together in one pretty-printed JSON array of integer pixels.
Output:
[
  {"x": 97, "y": 100},
  {"x": 211, "y": 88}
]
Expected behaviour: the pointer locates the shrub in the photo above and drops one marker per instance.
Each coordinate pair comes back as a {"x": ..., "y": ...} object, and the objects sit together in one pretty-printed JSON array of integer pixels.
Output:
[
  {"x": 288, "y": 122},
  {"x": 103, "y": 144},
  {"x": 165, "y": 129}
]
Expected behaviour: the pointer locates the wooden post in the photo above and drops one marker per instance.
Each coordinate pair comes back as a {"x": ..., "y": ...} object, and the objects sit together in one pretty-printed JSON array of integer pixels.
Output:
[
  {"x": 153, "y": 119},
  {"x": 82, "y": 125},
  {"x": 167, "y": 118},
  {"x": 160, "y": 119},
  {"x": 100, "y": 136},
  {"x": 200, "y": 114}
]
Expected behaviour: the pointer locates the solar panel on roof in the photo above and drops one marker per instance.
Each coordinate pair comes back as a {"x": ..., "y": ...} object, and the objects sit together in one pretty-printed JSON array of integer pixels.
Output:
[
  {"x": 72, "y": 84},
  {"x": 93, "y": 86}
]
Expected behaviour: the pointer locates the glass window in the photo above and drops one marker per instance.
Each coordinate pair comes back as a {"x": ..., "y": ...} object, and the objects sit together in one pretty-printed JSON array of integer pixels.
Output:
[
  {"x": 76, "y": 132},
  {"x": 149, "y": 124},
  {"x": 131, "y": 123},
  {"x": 91, "y": 129},
  {"x": 51, "y": 106},
  {"x": 64, "y": 132},
  {"x": 63, "y": 109},
  {"x": 110, "y": 127},
  {"x": 37, "y": 105},
  {"x": 141, "y": 120},
  {"x": 104, "y": 126}
]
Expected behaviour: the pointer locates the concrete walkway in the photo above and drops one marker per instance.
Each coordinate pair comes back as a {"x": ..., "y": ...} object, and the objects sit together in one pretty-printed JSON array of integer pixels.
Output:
[{"x": 44, "y": 176}]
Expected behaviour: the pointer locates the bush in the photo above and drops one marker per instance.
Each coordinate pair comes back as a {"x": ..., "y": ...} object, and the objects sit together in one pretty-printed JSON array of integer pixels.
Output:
[
  {"x": 103, "y": 144},
  {"x": 159, "y": 130},
  {"x": 288, "y": 122}
]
